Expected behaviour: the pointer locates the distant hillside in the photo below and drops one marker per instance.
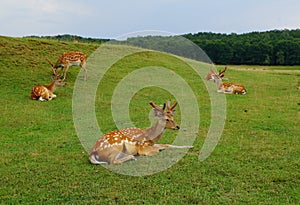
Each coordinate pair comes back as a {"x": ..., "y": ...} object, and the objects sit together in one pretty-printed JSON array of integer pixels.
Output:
[
  {"x": 276, "y": 47},
  {"x": 27, "y": 56},
  {"x": 71, "y": 38}
]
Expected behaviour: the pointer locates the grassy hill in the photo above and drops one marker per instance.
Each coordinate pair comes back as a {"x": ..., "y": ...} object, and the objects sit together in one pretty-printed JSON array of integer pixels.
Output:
[{"x": 42, "y": 160}]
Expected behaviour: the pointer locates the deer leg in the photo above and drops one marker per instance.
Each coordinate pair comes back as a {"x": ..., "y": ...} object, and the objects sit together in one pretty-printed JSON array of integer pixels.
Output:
[
  {"x": 116, "y": 157},
  {"x": 33, "y": 96},
  {"x": 51, "y": 95},
  {"x": 47, "y": 97},
  {"x": 169, "y": 146},
  {"x": 65, "y": 72},
  {"x": 122, "y": 157},
  {"x": 95, "y": 159},
  {"x": 41, "y": 99},
  {"x": 83, "y": 66},
  {"x": 148, "y": 151}
]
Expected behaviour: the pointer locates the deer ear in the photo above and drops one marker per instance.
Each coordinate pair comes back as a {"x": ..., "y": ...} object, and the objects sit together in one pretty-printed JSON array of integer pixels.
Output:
[
  {"x": 212, "y": 70},
  {"x": 157, "y": 112}
]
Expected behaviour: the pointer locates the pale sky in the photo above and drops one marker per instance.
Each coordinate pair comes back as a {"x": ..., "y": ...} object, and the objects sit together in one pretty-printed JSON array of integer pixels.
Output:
[{"x": 114, "y": 18}]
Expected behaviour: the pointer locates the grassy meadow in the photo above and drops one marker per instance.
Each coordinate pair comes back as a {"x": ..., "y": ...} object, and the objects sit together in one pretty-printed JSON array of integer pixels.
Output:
[{"x": 43, "y": 162}]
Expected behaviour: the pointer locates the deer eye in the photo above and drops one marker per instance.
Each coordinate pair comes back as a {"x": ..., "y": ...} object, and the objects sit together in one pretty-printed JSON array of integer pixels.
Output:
[{"x": 167, "y": 120}]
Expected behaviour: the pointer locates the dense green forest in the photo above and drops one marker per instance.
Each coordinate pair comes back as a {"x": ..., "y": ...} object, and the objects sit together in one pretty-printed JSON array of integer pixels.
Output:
[{"x": 276, "y": 47}]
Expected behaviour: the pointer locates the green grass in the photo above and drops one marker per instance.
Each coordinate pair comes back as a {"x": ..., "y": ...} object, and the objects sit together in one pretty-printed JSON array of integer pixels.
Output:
[{"x": 42, "y": 160}]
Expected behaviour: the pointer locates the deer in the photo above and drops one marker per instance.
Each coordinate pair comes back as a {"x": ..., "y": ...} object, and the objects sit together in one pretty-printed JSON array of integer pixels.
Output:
[
  {"x": 211, "y": 76},
  {"x": 231, "y": 88},
  {"x": 127, "y": 144},
  {"x": 227, "y": 88},
  {"x": 69, "y": 59},
  {"x": 45, "y": 92}
]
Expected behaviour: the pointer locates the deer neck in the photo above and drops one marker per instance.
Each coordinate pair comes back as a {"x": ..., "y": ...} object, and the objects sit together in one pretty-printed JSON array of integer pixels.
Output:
[
  {"x": 51, "y": 86},
  {"x": 155, "y": 132},
  {"x": 219, "y": 85}
]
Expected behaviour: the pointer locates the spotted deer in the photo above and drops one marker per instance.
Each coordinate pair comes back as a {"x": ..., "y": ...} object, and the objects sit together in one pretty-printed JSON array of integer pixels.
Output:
[
  {"x": 69, "y": 59},
  {"x": 211, "y": 76},
  {"x": 123, "y": 145},
  {"x": 45, "y": 92},
  {"x": 231, "y": 88},
  {"x": 228, "y": 88}
]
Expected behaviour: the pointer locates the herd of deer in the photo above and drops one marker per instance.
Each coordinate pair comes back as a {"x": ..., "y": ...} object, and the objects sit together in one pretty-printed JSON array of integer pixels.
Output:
[
  {"x": 127, "y": 144},
  {"x": 45, "y": 92}
]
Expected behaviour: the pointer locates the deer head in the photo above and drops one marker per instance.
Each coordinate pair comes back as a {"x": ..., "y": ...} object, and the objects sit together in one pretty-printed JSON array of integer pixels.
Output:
[
  {"x": 57, "y": 81},
  {"x": 168, "y": 116},
  {"x": 213, "y": 76}
]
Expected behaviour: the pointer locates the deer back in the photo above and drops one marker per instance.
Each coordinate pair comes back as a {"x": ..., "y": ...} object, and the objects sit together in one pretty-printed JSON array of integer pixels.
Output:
[
  {"x": 39, "y": 91},
  {"x": 70, "y": 59}
]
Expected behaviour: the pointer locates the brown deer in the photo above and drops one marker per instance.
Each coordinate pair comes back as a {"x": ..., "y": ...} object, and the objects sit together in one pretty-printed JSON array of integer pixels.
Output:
[
  {"x": 212, "y": 75},
  {"x": 45, "y": 92},
  {"x": 231, "y": 88},
  {"x": 69, "y": 59},
  {"x": 228, "y": 88},
  {"x": 122, "y": 145}
]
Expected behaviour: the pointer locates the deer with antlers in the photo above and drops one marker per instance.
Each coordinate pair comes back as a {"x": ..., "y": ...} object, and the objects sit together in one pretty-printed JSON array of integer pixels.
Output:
[
  {"x": 123, "y": 145},
  {"x": 228, "y": 88},
  {"x": 212, "y": 75},
  {"x": 45, "y": 92},
  {"x": 69, "y": 59}
]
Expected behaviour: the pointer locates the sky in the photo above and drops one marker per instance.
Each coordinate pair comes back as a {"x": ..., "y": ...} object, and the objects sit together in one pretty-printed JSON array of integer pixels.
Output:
[{"x": 115, "y": 18}]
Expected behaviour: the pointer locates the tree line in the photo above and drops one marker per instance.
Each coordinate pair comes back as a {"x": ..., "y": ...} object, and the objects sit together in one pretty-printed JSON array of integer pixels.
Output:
[
  {"x": 276, "y": 47},
  {"x": 71, "y": 38}
]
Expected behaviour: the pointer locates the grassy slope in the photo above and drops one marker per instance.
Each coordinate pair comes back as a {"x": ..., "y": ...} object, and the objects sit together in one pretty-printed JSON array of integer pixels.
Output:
[{"x": 42, "y": 160}]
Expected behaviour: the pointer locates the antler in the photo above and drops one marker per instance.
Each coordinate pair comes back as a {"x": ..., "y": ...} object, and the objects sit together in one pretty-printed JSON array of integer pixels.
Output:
[
  {"x": 47, "y": 59},
  {"x": 221, "y": 74},
  {"x": 212, "y": 70},
  {"x": 169, "y": 107},
  {"x": 175, "y": 104},
  {"x": 157, "y": 107}
]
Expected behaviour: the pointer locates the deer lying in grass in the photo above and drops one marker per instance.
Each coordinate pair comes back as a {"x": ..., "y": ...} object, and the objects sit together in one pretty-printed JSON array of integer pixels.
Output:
[
  {"x": 231, "y": 88},
  {"x": 69, "y": 59},
  {"x": 212, "y": 75},
  {"x": 228, "y": 88},
  {"x": 45, "y": 92},
  {"x": 122, "y": 145}
]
